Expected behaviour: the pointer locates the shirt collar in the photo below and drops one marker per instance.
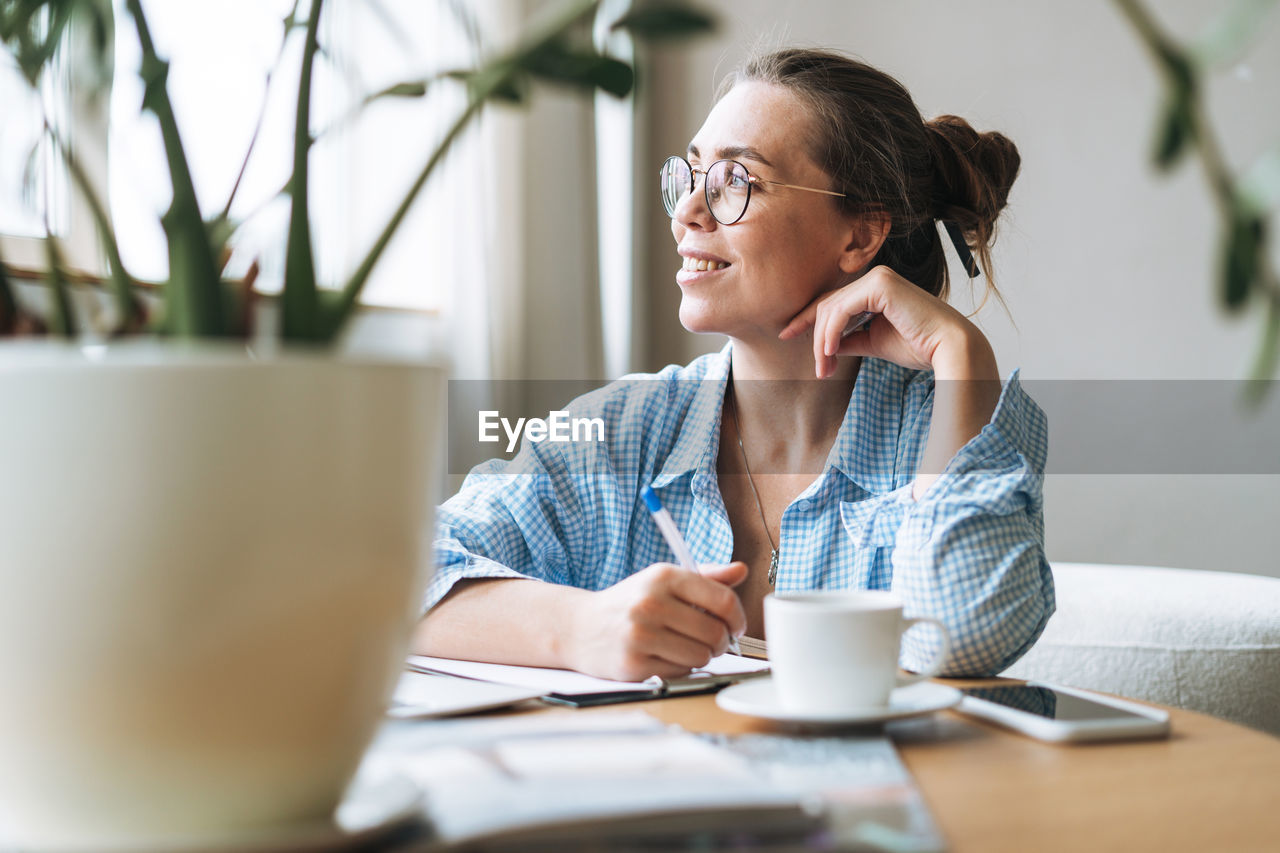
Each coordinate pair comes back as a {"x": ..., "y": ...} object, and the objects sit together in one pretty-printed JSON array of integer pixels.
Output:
[
  {"x": 699, "y": 436},
  {"x": 866, "y": 446}
]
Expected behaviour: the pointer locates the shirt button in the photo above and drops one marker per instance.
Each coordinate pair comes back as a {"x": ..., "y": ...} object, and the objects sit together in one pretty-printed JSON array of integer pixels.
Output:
[{"x": 804, "y": 504}]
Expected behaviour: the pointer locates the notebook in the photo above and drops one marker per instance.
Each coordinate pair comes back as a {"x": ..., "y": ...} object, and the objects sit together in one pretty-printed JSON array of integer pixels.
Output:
[
  {"x": 421, "y": 695},
  {"x": 563, "y": 687},
  {"x": 625, "y": 780}
]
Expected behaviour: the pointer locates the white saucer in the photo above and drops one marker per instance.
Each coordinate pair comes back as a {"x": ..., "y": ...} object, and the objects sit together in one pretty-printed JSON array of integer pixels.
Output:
[{"x": 758, "y": 698}]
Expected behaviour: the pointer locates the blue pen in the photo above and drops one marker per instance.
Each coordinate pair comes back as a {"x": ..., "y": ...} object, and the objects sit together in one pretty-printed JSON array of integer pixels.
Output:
[{"x": 671, "y": 533}]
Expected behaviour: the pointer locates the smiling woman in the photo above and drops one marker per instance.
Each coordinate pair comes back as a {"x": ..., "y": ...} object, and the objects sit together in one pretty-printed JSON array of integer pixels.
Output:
[{"x": 817, "y": 450}]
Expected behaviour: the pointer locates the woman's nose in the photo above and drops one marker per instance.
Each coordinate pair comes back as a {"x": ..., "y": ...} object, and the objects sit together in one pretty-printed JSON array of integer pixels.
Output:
[{"x": 691, "y": 211}]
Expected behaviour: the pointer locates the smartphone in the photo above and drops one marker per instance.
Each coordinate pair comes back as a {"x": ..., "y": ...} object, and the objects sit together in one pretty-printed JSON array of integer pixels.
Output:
[{"x": 1052, "y": 713}]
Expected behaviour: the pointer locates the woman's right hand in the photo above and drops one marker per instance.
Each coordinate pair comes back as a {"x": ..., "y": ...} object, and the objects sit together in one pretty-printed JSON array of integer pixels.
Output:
[{"x": 662, "y": 621}]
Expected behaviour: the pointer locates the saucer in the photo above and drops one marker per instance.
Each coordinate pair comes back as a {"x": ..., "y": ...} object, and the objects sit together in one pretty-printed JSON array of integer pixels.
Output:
[{"x": 758, "y": 698}]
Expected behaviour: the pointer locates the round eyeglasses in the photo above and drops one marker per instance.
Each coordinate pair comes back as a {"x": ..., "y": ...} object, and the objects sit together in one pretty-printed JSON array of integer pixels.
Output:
[{"x": 726, "y": 186}]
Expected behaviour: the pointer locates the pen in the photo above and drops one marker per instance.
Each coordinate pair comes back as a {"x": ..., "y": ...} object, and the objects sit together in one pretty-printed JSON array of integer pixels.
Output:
[{"x": 671, "y": 533}]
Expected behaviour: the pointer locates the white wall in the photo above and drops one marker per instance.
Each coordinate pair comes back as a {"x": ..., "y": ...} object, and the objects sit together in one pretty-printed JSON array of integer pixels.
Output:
[{"x": 1108, "y": 269}]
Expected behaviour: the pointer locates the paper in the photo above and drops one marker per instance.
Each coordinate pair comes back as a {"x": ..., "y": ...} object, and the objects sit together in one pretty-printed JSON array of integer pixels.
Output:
[
  {"x": 567, "y": 683},
  {"x": 629, "y": 780},
  {"x": 419, "y": 694}
]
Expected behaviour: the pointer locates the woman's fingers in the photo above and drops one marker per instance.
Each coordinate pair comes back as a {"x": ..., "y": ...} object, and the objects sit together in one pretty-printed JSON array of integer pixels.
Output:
[
  {"x": 667, "y": 614},
  {"x": 801, "y": 322}
]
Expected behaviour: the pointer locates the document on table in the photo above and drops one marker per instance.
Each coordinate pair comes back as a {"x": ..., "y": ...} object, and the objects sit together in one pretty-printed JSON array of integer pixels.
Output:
[
  {"x": 574, "y": 688},
  {"x": 626, "y": 779}
]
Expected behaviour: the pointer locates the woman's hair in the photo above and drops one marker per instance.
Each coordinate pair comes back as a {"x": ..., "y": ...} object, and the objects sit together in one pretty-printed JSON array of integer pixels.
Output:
[{"x": 867, "y": 133}]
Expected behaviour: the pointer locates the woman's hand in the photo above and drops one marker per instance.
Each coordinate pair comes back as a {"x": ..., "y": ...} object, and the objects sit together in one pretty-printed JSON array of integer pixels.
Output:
[
  {"x": 663, "y": 621},
  {"x": 918, "y": 331},
  {"x": 912, "y": 328}
]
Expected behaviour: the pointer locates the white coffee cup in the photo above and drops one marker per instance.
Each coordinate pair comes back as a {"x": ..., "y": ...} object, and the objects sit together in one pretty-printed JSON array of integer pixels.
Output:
[{"x": 836, "y": 652}]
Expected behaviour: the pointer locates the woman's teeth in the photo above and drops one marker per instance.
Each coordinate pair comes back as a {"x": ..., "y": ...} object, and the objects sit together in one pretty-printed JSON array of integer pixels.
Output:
[{"x": 700, "y": 265}]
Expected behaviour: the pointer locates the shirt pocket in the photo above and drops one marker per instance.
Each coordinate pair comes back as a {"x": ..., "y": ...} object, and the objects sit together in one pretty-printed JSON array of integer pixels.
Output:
[{"x": 872, "y": 527}]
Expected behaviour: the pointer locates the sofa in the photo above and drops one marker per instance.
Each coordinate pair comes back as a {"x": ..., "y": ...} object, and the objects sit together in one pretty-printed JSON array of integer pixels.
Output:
[{"x": 1204, "y": 641}]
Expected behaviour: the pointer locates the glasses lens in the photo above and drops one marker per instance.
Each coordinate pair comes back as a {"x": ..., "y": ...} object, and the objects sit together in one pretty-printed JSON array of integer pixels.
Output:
[
  {"x": 677, "y": 180},
  {"x": 728, "y": 190}
]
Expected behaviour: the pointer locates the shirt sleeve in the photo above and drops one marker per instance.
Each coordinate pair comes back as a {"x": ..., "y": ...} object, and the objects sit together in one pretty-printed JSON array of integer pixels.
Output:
[
  {"x": 507, "y": 521},
  {"x": 970, "y": 552}
]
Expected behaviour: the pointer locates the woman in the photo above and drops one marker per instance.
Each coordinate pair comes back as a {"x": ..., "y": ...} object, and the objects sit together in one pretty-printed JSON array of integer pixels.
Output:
[{"x": 809, "y": 201}]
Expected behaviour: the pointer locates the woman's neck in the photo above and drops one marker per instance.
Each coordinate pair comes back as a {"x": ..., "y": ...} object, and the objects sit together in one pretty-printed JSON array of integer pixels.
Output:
[{"x": 786, "y": 410}]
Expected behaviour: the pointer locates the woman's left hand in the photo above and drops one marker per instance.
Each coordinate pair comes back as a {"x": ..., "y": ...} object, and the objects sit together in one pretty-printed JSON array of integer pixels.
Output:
[{"x": 912, "y": 328}]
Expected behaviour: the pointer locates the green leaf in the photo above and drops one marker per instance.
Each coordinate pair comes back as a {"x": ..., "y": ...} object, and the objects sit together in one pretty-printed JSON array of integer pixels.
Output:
[
  {"x": 559, "y": 62},
  {"x": 193, "y": 298},
  {"x": 1242, "y": 257},
  {"x": 1228, "y": 35},
  {"x": 62, "y": 316},
  {"x": 1259, "y": 188},
  {"x": 299, "y": 302},
  {"x": 8, "y": 303},
  {"x": 1267, "y": 360},
  {"x": 1174, "y": 132},
  {"x": 411, "y": 89},
  {"x": 497, "y": 82},
  {"x": 665, "y": 20},
  {"x": 1177, "y": 123}
]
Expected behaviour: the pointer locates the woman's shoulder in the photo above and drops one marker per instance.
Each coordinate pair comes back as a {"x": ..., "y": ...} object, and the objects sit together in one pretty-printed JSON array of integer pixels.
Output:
[{"x": 673, "y": 385}]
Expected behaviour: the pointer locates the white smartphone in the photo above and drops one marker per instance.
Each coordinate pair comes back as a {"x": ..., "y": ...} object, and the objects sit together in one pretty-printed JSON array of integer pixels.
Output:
[{"x": 1053, "y": 713}]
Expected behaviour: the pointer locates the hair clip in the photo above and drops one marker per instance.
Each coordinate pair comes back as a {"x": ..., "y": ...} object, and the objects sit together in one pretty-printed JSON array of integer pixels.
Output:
[{"x": 962, "y": 249}]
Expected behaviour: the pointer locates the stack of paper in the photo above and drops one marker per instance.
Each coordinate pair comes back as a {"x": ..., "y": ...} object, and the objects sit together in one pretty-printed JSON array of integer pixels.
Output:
[
  {"x": 574, "y": 688},
  {"x": 606, "y": 780}
]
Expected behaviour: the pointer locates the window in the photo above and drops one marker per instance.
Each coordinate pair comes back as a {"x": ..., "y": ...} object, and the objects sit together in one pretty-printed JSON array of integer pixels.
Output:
[
  {"x": 35, "y": 191},
  {"x": 220, "y": 57}
]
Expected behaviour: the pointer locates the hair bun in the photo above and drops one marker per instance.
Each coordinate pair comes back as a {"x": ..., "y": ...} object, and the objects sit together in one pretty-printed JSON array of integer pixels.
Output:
[{"x": 973, "y": 173}]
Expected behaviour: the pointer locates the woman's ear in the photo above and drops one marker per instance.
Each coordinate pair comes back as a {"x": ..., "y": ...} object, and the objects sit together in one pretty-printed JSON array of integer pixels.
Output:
[{"x": 867, "y": 233}]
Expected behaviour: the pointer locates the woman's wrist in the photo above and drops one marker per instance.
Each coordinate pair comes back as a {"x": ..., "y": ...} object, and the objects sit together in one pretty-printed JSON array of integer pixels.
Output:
[{"x": 965, "y": 355}]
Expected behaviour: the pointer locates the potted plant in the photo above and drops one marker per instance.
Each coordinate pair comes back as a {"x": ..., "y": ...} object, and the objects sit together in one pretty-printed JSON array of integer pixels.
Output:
[{"x": 212, "y": 558}]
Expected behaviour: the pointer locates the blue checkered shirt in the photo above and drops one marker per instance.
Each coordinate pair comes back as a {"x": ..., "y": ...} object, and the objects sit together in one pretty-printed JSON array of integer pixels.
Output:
[{"x": 970, "y": 552}]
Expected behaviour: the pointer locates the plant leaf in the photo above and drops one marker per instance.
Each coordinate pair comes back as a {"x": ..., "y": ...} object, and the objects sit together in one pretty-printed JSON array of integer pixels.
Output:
[
  {"x": 1261, "y": 378},
  {"x": 193, "y": 295},
  {"x": 62, "y": 316},
  {"x": 497, "y": 82},
  {"x": 559, "y": 62},
  {"x": 665, "y": 20},
  {"x": 300, "y": 318},
  {"x": 1259, "y": 188},
  {"x": 8, "y": 303},
  {"x": 407, "y": 89},
  {"x": 1227, "y": 36},
  {"x": 1242, "y": 257},
  {"x": 1174, "y": 132}
]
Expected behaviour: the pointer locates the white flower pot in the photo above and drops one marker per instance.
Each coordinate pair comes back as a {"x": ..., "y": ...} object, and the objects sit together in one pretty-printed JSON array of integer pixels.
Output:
[{"x": 209, "y": 569}]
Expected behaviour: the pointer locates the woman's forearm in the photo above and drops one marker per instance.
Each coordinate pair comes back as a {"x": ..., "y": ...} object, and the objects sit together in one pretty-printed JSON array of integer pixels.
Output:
[
  {"x": 509, "y": 621},
  {"x": 966, "y": 391}
]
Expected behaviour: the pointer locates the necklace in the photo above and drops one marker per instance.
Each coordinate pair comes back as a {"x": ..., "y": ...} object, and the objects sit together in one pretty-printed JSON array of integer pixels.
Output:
[{"x": 773, "y": 554}]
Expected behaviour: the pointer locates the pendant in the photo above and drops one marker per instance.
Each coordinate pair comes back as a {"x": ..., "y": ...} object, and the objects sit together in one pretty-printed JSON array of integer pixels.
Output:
[{"x": 773, "y": 567}]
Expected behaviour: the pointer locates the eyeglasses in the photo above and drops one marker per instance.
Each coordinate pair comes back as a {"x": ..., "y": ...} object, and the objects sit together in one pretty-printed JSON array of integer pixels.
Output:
[{"x": 726, "y": 185}]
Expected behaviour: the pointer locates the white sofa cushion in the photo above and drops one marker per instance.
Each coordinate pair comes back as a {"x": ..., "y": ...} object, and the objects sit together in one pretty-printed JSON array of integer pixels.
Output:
[{"x": 1205, "y": 641}]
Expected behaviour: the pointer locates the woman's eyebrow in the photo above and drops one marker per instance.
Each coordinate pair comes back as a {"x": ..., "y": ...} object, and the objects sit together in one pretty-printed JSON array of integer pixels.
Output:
[{"x": 734, "y": 152}]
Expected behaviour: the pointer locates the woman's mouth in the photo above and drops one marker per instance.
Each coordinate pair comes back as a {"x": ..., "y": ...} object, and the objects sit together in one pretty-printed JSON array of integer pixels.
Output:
[
  {"x": 702, "y": 265},
  {"x": 695, "y": 269}
]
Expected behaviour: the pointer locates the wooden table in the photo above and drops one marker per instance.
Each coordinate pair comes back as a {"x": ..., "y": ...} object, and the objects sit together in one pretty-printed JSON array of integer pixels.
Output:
[{"x": 1211, "y": 786}]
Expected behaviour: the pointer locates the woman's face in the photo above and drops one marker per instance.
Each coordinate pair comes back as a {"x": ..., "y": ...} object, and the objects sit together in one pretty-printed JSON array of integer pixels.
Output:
[{"x": 788, "y": 246}]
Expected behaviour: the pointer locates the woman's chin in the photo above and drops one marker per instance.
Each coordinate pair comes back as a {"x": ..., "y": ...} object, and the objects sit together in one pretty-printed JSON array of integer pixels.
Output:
[{"x": 699, "y": 321}]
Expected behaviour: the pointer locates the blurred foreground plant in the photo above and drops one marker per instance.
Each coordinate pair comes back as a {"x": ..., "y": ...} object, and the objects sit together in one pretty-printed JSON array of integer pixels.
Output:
[
  {"x": 1245, "y": 202},
  {"x": 198, "y": 303}
]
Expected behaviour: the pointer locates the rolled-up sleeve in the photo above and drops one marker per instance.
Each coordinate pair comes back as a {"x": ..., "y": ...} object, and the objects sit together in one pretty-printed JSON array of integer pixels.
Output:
[
  {"x": 507, "y": 521},
  {"x": 970, "y": 552}
]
